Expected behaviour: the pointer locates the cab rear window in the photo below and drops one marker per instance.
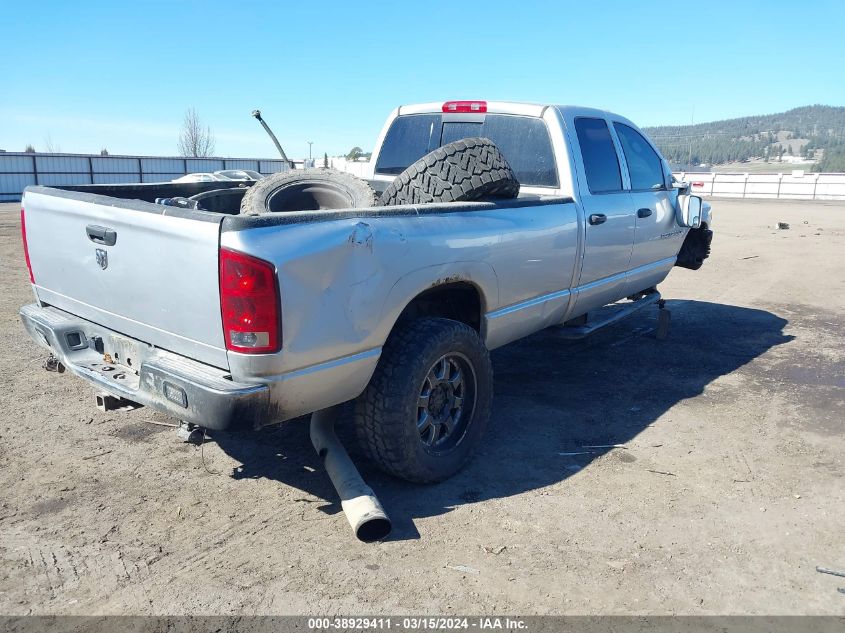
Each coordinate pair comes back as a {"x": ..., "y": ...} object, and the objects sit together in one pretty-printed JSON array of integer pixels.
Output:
[
  {"x": 407, "y": 140},
  {"x": 523, "y": 141}
]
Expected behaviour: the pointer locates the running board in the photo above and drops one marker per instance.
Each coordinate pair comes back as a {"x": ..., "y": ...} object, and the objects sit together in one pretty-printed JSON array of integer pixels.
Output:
[{"x": 604, "y": 316}]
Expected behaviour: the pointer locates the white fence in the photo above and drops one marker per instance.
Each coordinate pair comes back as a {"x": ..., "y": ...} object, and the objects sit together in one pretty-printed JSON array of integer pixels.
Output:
[
  {"x": 362, "y": 169},
  {"x": 798, "y": 185}
]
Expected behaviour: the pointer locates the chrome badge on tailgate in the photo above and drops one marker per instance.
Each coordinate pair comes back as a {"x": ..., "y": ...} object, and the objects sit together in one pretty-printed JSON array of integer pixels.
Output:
[{"x": 102, "y": 258}]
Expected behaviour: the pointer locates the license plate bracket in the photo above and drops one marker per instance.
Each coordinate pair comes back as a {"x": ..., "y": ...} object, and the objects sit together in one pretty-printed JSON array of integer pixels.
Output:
[{"x": 124, "y": 352}]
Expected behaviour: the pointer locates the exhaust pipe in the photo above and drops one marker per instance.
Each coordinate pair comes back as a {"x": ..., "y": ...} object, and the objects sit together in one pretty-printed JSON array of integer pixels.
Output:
[{"x": 359, "y": 503}]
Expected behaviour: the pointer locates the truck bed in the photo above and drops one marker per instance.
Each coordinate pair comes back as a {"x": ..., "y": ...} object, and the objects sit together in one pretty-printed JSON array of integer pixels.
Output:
[{"x": 142, "y": 270}]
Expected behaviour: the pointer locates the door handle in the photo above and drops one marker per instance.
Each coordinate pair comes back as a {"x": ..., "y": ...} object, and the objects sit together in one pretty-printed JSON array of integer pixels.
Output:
[
  {"x": 644, "y": 213},
  {"x": 597, "y": 218},
  {"x": 101, "y": 234}
]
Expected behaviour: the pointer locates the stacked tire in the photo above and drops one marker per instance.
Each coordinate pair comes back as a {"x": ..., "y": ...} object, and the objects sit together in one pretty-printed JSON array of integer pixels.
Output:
[
  {"x": 307, "y": 190},
  {"x": 469, "y": 169}
]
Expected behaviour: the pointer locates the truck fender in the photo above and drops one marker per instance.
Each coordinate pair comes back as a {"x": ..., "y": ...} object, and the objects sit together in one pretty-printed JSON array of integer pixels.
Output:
[{"x": 479, "y": 274}]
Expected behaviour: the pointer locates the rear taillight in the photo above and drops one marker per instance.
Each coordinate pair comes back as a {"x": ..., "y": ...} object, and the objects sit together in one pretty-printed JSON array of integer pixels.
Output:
[
  {"x": 26, "y": 246},
  {"x": 249, "y": 303},
  {"x": 465, "y": 106}
]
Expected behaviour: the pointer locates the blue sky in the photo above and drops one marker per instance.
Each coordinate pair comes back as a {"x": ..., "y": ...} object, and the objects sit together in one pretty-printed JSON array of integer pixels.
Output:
[{"x": 120, "y": 74}]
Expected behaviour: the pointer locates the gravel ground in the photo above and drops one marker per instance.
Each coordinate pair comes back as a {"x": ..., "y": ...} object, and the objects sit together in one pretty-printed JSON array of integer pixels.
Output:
[{"x": 727, "y": 494}]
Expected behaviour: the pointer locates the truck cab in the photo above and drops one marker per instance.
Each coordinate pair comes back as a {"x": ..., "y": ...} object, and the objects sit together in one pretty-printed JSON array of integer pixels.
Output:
[{"x": 599, "y": 159}]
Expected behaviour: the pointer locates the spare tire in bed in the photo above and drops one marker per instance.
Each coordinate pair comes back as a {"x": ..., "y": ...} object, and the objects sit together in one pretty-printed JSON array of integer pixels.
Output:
[
  {"x": 307, "y": 190},
  {"x": 469, "y": 169}
]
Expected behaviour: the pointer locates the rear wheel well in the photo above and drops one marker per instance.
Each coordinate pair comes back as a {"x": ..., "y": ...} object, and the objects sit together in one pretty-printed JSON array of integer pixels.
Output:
[{"x": 457, "y": 301}]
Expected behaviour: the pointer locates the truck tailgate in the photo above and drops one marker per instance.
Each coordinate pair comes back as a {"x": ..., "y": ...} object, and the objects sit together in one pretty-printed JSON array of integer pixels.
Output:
[{"x": 157, "y": 282}]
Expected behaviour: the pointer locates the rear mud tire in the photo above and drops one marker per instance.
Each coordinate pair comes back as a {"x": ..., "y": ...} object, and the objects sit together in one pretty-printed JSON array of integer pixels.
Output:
[{"x": 389, "y": 416}]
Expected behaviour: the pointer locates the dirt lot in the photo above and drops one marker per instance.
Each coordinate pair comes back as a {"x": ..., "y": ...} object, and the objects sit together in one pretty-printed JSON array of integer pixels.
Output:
[{"x": 728, "y": 493}]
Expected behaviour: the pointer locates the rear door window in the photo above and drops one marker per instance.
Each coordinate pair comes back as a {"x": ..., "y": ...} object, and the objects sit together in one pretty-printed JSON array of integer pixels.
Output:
[
  {"x": 600, "y": 161},
  {"x": 524, "y": 142},
  {"x": 644, "y": 164}
]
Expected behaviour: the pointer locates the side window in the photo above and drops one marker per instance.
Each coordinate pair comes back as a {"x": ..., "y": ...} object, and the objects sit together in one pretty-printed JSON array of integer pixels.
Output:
[
  {"x": 600, "y": 161},
  {"x": 644, "y": 164}
]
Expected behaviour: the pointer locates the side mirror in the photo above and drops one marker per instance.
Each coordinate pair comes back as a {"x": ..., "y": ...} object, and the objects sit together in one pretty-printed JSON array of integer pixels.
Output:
[{"x": 689, "y": 211}]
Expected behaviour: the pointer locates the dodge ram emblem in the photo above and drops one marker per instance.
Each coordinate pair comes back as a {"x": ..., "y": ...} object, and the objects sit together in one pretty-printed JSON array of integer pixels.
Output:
[{"x": 102, "y": 258}]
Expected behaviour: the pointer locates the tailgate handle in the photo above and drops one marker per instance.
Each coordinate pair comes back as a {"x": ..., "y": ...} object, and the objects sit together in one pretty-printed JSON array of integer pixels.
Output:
[{"x": 101, "y": 234}]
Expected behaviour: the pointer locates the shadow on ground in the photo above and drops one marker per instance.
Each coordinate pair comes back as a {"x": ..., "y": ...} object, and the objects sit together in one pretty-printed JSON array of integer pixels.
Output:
[{"x": 551, "y": 396}]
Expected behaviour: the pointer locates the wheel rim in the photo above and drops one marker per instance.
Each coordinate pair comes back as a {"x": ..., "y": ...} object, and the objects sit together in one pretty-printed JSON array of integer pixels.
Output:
[
  {"x": 310, "y": 195},
  {"x": 446, "y": 402}
]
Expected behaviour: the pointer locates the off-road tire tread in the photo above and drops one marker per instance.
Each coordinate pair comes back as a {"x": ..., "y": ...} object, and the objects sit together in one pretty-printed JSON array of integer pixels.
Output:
[
  {"x": 695, "y": 249},
  {"x": 383, "y": 408},
  {"x": 469, "y": 169}
]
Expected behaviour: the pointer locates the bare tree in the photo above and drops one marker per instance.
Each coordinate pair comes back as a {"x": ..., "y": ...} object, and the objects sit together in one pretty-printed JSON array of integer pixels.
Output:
[
  {"x": 29, "y": 148},
  {"x": 104, "y": 152},
  {"x": 49, "y": 146},
  {"x": 195, "y": 140}
]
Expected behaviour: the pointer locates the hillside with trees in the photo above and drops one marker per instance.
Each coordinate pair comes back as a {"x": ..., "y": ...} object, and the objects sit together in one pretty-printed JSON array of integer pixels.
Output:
[{"x": 815, "y": 132}]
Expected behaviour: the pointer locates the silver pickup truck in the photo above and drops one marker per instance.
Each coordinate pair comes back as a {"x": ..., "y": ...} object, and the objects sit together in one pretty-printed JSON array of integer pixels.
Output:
[{"x": 227, "y": 320}]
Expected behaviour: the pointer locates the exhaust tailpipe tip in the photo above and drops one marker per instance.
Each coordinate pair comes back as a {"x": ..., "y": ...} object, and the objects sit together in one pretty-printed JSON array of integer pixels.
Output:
[
  {"x": 362, "y": 508},
  {"x": 367, "y": 518}
]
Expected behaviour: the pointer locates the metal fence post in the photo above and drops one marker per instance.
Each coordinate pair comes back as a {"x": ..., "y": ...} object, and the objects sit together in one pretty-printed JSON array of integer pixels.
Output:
[
  {"x": 91, "y": 169},
  {"x": 35, "y": 169}
]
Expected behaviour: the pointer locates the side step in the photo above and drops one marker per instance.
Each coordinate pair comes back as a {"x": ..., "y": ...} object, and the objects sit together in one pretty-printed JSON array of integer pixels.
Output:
[{"x": 605, "y": 316}]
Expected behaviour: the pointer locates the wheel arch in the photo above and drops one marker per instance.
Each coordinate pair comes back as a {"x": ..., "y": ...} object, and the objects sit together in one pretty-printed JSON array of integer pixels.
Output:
[{"x": 463, "y": 291}]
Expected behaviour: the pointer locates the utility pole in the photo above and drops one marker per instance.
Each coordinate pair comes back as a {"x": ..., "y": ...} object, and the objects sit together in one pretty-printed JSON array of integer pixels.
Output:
[
  {"x": 310, "y": 143},
  {"x": 692, "y": 123}
]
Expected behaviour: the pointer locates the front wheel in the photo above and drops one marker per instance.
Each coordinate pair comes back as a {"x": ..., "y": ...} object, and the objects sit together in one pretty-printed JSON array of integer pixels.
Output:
[{"x": 428, "y": 402}]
